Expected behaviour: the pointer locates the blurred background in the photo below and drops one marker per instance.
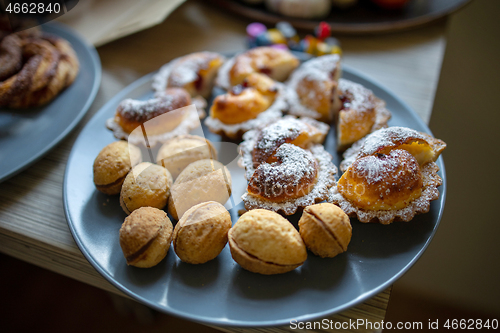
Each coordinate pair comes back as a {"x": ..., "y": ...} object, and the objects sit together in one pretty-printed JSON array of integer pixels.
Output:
[{"x": 457, "y": 277}]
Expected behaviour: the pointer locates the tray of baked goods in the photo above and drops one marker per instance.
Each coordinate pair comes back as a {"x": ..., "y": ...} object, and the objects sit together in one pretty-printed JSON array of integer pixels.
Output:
[
  {"x": 49, "y": 77},
  {"x": 254, "y": 189}
]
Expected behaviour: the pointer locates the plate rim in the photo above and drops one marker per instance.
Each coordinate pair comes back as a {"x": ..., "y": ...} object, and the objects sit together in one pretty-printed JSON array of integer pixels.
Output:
[
  {"x": 95, "y": 60},
  {"x": 366, "y": 28},
  {"x": 267, "y": 323}
]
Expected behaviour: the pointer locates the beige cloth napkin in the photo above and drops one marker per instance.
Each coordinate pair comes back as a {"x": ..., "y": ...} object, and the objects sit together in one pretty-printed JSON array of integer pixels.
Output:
[{"x": 101, "y": 21}]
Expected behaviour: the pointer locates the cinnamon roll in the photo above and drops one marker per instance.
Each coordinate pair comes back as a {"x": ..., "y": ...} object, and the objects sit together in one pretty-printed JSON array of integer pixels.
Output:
[{"x": 34, "y": 68}]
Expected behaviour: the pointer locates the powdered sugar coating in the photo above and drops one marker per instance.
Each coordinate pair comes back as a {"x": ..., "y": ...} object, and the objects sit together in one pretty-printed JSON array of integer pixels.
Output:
[
  {"x": 383, "y": 169},
  {"x": 295, "y": 167},
  {"x": 431, "y": 181},
  {"x": 271, "y": 136},
  {"x": 144, "y": 110},
  {"x": 325, "y": 180},
  {"x": 387, "y": 138},
  {"x": 319, "y": 70},
  {"x": 326, "y": 169},
  {"x": 222, "y": 80},
  {"x": 274, "y": 112},
  {"x": 183, "y": 70},
  {"x": 190, "y": 121},
  {"x": 358, "y": 97}
]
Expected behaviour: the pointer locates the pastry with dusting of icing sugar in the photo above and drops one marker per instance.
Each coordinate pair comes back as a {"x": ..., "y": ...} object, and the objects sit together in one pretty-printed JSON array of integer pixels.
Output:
[
  {"x": 361, "y": 113},
  {"x": 273, "y": 62},
  {"x": 257, "y": 101},
  {"x": 286, "y": 166},
  {"x": 194, "y": 72},
  {"x": 316, "y": 90},
  {"x": 390, "y": 175},
  {"x": 155, "y": 120},
  {"x": 313, "y": 88}
]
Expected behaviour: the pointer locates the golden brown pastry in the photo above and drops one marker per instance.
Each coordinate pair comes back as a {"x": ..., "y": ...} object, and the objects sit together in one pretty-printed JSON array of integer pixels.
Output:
[
  {"x": 286, "y": 166},
  {"x": 325, "y": 229},
  {"x": 255, "y": 103},
  {"x": 201, "y": 233},
  {"x": 177, "y": 153},
  {"x": 361, "y": 113},
  {"x": 313, "y": 88},
  {"x": 273, "y": 62},
  {"x": 194, "y": 72},
  {"x": 146, "y": 185},
  {"x": 264, "y": 242},
  {"x": 145, "y": 237},
  {"x": 201, "y": 181},
  {"x": 154, "y": 120},
  {"x": 34, "y": 68},
  {"x": 112, "y": 165},
  {"x": 390, "y": 175}
]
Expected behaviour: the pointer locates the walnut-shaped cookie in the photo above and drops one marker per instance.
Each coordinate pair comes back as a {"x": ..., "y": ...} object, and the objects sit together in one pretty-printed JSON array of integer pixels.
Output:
[
  {"x": 146, "y": 185},
  {"x": 177, "y": 153},
  {"x": 264, "y": 242},
  {"x": 201, "y": 181},
  {"x": 112, "y": 165},
  {"x": 145, "y": 237},
  {"x": 201, "y": 233},
  {"x": 325, "y": 229}
]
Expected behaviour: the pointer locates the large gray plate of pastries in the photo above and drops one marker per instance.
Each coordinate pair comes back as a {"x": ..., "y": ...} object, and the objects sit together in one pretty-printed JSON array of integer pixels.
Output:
[{"x": 223, "y": 268}]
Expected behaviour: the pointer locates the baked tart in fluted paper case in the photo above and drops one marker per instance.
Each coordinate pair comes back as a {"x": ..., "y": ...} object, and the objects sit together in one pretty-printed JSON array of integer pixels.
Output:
[
  {"x": 313, "y": 88},
  {"x": 155, "y": 120},
  {"x": 390, "y": 175},
  {"x": 273, "y": 62},
  {"x": 286, "y": 166},
  {"x": 361, "y": 113},
  {"x": 257, "y": 101}
]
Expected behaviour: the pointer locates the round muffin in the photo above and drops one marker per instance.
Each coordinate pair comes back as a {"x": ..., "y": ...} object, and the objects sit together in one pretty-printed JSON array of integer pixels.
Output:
[
  {"x": 146, "y": 185},
  {"x": 177, "y": 153},
  {"x": 325, "y": 229},
  {"x": 112, "y": 165},
  {"x": 264, "y": 242},
  {"x": 201, "y": 233},
  {"x": 145, "y": 237},
  {"x": 201, "y": 181}
]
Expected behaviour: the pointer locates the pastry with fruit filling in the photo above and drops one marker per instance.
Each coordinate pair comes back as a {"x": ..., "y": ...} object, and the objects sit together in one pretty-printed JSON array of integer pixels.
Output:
[
  {"x": 155, "y": 120},
  {"x": 313, "y": 88},
  {"x": 194, "y": 72},
  {"x": 316, "y": 90},
  {"x": 254, "y": 103},
  {"x": 361, "y": 113},
  {"x": 273, "y": 62},
  {"x": 390, "y": 175},
  {"x": 286, "y": 166}
]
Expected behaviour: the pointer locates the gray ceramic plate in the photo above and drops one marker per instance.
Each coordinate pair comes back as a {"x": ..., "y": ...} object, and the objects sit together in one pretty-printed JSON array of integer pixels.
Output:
[
  {"x": 220, "y": 292},
  {"x": 26, "y": 135}
]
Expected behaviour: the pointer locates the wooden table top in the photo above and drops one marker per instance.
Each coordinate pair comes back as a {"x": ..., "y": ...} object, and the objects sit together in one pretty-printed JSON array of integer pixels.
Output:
[{"x": 33, "y": 227}]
